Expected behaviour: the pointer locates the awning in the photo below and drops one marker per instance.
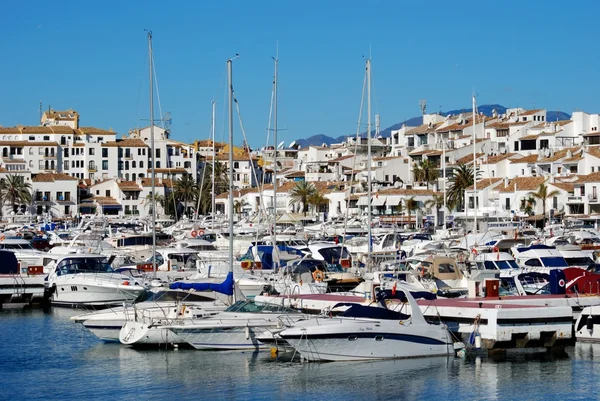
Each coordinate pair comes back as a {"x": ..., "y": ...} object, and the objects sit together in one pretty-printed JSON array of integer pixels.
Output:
[
  {"x": 363, "y": 201},
  {"x": 379, "y": 201},
  {"x": 111, "y": 206}
]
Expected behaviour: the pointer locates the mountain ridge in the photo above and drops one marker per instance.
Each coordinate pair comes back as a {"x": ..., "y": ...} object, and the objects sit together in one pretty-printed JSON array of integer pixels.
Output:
[{"x": 320, "y": 139}]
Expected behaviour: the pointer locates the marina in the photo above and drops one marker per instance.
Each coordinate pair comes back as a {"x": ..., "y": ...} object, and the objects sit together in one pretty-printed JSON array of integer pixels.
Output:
[{"x": 254, "y": 224}]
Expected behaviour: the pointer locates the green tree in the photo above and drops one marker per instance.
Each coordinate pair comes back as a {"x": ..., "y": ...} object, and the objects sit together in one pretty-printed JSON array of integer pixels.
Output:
[
  {"x": 15, "y": 191},
  {"x": 411, "y": 205},
  {"x": 527, "y": 205},
  {"x": 301, "y": 193},
  {"x": 436, "y": 202},
  {"x": 460, "y": 179},
  {"x": 543, "y": 195},
  {"x": 185, "y": 189},
  {"x": 319, "y": 202}
]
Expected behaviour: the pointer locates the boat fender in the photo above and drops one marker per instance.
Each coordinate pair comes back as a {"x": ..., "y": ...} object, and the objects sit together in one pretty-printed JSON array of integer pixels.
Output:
[
  {"x": 477, "y": 340},
  {"x": 318, "y": 275},
  {"x": 589, "y": 323},
  {"x": 194, "y": 233},
  {"x": 247, "y": 333}
]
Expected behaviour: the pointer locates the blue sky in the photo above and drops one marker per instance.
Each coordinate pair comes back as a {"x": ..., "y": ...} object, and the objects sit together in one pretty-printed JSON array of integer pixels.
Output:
[{"x": 92, "y": 57}]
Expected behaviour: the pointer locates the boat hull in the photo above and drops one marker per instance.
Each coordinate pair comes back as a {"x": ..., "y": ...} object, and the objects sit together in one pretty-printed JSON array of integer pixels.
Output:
[
  {"x": 343, "y": 340},
  {"x": 223, "y": 338}
]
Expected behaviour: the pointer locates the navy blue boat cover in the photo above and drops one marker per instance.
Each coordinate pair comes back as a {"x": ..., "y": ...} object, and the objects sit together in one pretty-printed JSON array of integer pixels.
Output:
[
  {"x": 226, "y": 287},
  {"x": 8, "y": 263}
]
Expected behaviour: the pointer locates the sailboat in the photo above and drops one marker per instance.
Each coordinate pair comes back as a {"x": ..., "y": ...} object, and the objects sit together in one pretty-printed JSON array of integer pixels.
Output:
[{"x": 150, "y": 331}]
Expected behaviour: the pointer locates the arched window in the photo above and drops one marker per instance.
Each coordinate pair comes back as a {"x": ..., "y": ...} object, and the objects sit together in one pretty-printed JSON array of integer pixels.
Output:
[
  {"x": 5, "y": 152},
  {"x": 126, "y": 176},
  {"x": 133, "y": 176},
  {"x": 141, "y": 164},
  {"x": 133, "y": 164},
  {"x": 236, "y": 165},
  {"x": 127, "y": 165}
]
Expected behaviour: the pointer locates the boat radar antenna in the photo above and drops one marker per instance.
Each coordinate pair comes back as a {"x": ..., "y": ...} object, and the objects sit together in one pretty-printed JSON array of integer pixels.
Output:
[{"x": 423, "y": 106}]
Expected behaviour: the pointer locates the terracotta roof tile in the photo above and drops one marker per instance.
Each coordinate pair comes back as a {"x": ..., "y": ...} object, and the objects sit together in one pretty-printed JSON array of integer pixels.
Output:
[
  {"x": 565, "y": 186},
  {"x": 469, "y": 158},
  {"x": 486, "y": 182},
  {"x": 522, "y": 184},
  {"x": 176, "y": 170},
  {"x": 498, "y": 158},
  {"x": 423, "y": 129},
  {"x": 126, "y": 143},
  {"x": 52, "y": 177},
  {"x": 526, "y": 159},
  {"x": 530, "y": 112}
]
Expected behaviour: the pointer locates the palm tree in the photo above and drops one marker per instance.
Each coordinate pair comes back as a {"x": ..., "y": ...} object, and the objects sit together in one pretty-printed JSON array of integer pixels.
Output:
[
  {"x": 318, "y": 201},
  {"x": 158, "y": 200},
  {"x": 15, "y": 191},
  {"x": 221, "y": 174},
  {"x": 301, "y": 193},
  {"x": 527, "y": 205},
  {"x": 542, "y": 194},
  {"x": 411, "y": 205},
  {"x": 460, "y": 179},
  {"x": 436, "y": 202},
  {"x": 429, "y": 172},
  {"x": 185, "y": 189},
  {"x": 238, "y": 206},
  {"x": 417, "y": 172}
]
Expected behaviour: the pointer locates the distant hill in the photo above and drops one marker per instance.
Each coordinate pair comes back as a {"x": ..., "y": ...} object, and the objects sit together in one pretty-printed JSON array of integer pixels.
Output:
[{"x": 318, "y": 140}]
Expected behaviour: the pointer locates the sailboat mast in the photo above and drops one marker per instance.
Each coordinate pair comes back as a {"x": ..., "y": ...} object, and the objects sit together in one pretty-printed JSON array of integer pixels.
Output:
[
  {"x": 474, "y": 170},
  {"x": 212, "y": 128},
  {"x": 152, "y": 153},
  {"x": 230, "y": 84},
  {"x": 275, "y": 159},
  {"x": 444, "y": 178},
  {"x": 369, "y": 159}
]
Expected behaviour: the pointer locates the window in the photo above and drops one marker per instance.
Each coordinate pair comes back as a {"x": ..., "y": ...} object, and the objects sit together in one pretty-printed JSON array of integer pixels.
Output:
[
  {"x": 67, "y": 196},
  {"x": 67, "y": 209},
  {"x": 59, "y": 196},
  {"x": 126, "y": 165},
  {"x": 493, "y": 173},
  {"x": 120, "y": 165},
  {"x": 46, "y": 138},
  {"x": 63, "y": 140},
  {"x": 32, "y": 138},
  {"x": 128, "y": 153},
  {"x": 139, "y": 151},
  {"x": 133, "y": 164},
  {"x": 141, "y": 164},
  {"x": 507, "y": 204},
  {"x": 108, "y": 192},
  {"x": 66, "y": 152},
  {"x": 104, "y": 164},
  {"x": 31, "y": 151},
  {"x": 236, "y": 165},
  {"x": 41, "y": 165},
  {"x": 66, "y": 165},
  {"x": 91, "y": 151},
  {"x": 91, "y": 165},
  {"x": 516, "y": 146},
  {"x": 104, "y": 152},
  {"x": 555, "y": 202},
  {"x": 158, "y": 164}
]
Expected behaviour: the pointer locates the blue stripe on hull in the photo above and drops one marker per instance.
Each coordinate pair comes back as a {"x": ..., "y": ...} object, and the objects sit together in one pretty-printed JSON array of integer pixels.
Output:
[{"x": 386, "y": 336}]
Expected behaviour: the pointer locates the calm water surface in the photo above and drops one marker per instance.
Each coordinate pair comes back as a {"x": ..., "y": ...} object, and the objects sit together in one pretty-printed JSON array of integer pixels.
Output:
[{"x": 45, "y": 356}]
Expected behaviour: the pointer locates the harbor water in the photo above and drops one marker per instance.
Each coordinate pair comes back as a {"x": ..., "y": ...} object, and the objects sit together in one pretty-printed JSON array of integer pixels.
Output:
[{"x": 45, "y": 356}]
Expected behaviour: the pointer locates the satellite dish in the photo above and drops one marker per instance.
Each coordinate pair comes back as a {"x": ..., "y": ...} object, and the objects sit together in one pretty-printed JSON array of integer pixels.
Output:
[
  {"x": 293, "y": 144},
  {"x": 281, "y": 145}
]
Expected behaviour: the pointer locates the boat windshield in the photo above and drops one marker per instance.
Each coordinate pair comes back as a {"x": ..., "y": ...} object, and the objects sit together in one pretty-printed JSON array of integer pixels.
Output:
[
  {"x": 257, "y": 307},
  {"x": 334, "y": 254},
  {"x": 554, "y": 261},
  {"x": 501, "y": 264},
  {"x": 24, "y": 245},
  {"x": 83, "y": 265},
  {"x": 579, "y": 261}
]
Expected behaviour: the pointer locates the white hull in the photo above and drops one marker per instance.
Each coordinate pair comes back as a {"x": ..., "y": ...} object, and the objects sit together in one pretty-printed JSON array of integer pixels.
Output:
[
  {"x": 72, "y": 290},
  {"x": 227, "y": 338},
  {"x": 137, "y": 333},
  {"x": 347, "y": 339},
  {"x": 582, "y": 332}
]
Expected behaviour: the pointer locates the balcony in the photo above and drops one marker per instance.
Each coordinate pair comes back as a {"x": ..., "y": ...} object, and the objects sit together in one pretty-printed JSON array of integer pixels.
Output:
[
  {"x": 575, "y": 199},
  {"x": 592, "y": 198},
  {"x": 92, "y": 168},
  {"x": 50, "y": 156}
]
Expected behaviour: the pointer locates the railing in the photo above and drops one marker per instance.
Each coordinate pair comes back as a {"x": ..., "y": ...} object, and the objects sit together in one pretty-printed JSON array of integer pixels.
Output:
[
  {"x": 592, "y": 198},
  {"x": 574, "y": 199}
]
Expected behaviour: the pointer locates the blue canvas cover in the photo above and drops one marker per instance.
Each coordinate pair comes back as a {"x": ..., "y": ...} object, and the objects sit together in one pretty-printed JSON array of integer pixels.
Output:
[{"x": 226, "y": 287}]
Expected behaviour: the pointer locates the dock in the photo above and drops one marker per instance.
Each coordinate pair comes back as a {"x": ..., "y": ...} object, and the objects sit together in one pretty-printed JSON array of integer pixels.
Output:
[
  {"x": 20, "y": 291},
  {"x": 512, "y": 322}
]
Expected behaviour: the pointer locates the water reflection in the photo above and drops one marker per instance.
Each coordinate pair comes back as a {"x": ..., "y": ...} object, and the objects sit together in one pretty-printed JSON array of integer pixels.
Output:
[{"x": 46, "y": 356}]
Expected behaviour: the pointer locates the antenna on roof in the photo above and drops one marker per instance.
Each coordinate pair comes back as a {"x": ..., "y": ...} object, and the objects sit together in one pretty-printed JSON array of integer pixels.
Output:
[
  {"x": 423, "y": 106},
  {"x": 40, "y": 111}
]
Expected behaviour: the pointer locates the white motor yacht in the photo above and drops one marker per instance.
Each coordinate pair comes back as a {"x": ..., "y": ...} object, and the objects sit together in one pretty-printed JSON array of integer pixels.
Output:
[
  {"x": 367, "y": 333},
  {"x": 106, "y": 324},
  {"x": 88, "y": 280},
  {"x": 236, "y": 328}
]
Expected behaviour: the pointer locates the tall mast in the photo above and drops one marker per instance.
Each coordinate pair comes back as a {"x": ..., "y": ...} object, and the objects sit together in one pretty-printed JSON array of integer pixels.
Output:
[
  {"x": 444, "y": 178},
  {"x": 276, "y": 59},
  {"x": 369, "y": 159},
  {"x": 212, "y": 204},
  {"x": 474, "y": 170},
  {"x": 153, "y": 153},
  {"x": 230, "y": 84}
]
